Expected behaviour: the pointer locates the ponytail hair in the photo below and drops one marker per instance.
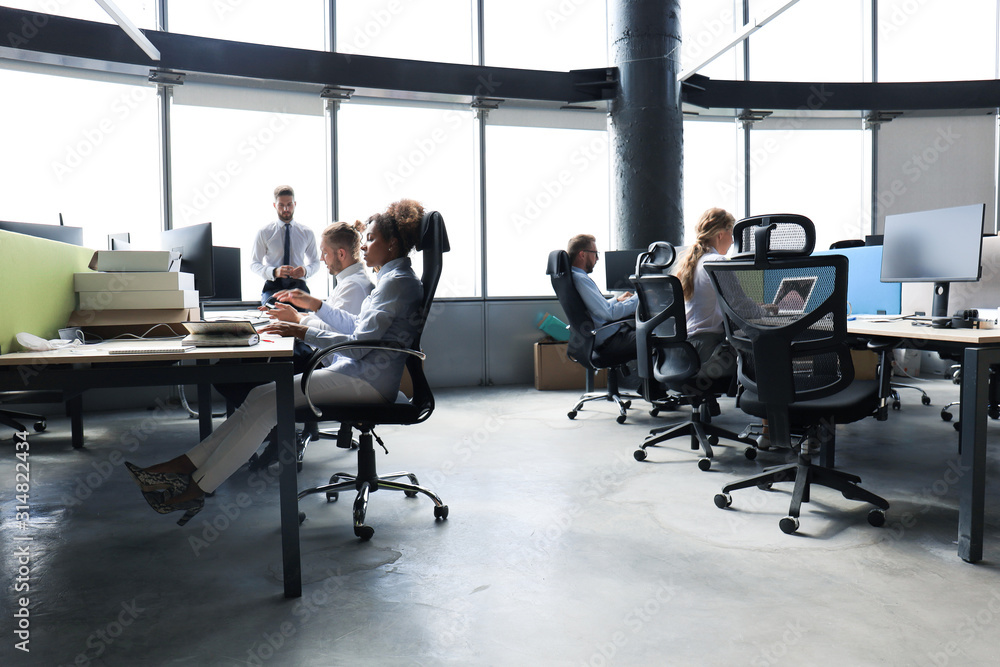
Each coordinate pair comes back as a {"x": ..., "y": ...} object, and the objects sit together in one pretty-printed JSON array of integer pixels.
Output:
[{"x": 712, "y": 221}]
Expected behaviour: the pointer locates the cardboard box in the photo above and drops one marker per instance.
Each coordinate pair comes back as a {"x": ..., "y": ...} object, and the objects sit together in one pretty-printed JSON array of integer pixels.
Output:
[
  {"x": 95, "y": 281},
  {"x": 865, "y": 364},
  {"x": 554, "y": 370}
]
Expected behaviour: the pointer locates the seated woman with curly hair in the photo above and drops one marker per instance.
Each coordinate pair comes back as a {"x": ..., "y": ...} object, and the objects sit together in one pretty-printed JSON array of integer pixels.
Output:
[{"x": 389, "y": 313}]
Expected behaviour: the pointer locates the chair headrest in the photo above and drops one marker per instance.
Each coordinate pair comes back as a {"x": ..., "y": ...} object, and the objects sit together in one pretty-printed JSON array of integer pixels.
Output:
[
  {"x": 558, "y": 263},
  {"x": 433, "y": 233},
  {"x": 658, "y": 257},
  {"x": 774, "y": 236}
]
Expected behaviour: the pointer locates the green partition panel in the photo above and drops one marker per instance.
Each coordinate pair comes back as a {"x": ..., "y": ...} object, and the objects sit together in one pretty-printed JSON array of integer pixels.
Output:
[{"x": 36, "y": 286}]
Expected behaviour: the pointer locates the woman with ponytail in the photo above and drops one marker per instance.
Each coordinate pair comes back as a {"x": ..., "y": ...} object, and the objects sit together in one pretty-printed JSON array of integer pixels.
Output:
[{"x": 705, "y": 327}]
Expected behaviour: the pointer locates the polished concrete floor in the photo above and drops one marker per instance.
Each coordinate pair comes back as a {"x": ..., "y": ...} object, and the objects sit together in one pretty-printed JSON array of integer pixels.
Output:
[{"x": 560, "y": 549}]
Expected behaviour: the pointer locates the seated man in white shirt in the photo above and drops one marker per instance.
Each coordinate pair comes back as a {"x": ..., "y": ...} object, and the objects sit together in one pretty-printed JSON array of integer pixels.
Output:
[
  {"x": 616, "y": 343},
  {"x": 340, "y": 250},
  {"x": 340, "y": 247}
]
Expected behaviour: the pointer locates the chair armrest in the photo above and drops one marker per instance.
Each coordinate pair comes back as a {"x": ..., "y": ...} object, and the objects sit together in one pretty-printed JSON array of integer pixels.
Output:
[{"x": 323, "y": 353}]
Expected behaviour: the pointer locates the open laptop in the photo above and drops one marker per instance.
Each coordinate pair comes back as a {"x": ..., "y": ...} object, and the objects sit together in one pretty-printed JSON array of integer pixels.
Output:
[{"x": 793, "y": 294}]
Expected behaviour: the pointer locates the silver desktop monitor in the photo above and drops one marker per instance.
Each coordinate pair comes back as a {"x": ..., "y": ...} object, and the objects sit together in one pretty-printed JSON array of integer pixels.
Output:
[{"x": 940, "y": 246}]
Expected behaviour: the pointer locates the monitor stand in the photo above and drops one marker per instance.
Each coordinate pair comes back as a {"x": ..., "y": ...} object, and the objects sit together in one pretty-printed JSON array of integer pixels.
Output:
[{"x": 939, "y": 306}]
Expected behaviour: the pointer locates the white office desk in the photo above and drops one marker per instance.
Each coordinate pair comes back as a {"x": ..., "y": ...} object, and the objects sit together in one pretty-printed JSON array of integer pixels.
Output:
[
  {"x": 978, "y": 350},
  {"x": 74, "y": 369}
]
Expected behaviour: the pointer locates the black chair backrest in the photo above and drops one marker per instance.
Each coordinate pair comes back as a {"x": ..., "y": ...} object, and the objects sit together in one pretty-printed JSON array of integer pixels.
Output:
[
  {"x": 658, "y": 258},
  {"x": 580, "y": 347},
  {"x": 786, "y": 316},
  {"x": 787, "y": 234},
  {"x": 662, "y": 351},
  {"x": 847, "y": 243},
  {"x": 433, "y": 244}
]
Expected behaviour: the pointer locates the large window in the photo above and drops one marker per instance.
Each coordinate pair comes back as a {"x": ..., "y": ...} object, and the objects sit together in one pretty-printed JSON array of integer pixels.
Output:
[
  {"x": 706, "y": 26},
  {"x": 395, "y": 152},
  {"x": 542, "y": 187},
  {"x": 141, "y": 12},
  {"x": 558, "y": 36},
  {"x": 713, "y": 170},
  {"x": 295, "y": 23},
  {"x": 226, "y": 164},
  {"x": 819, "y": 173},
  {"x": 937, "y": 40},
  {"x": 83, "y": 149},
  {"x": 812, "y": 41},
  {"x": 435, "y": 30}
]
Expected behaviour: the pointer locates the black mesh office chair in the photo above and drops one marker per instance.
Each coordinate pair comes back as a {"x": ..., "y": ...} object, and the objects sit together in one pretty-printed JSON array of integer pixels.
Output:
[
  {"x": 365, "y": 417},
  {"x": 665, "y": 357},
  {"x": 786, "y": 315},
  {"x": 581, "y": 347}
]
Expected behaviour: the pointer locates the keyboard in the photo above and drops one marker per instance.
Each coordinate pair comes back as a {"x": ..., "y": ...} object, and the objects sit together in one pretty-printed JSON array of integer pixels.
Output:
[{"x": 172, "y": 349}]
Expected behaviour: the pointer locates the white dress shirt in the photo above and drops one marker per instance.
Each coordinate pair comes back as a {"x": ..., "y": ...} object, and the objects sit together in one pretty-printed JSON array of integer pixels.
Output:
[
  {"x": 702, "y": 310},
  {"x": 353, "y": 285},
  {"x": 269, "y": 249},
  {"x": 388, "y": 313},
  {"x": 602, "y": 309}
]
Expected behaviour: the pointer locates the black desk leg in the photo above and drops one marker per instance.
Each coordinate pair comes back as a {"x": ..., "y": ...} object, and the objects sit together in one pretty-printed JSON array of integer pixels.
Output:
[
  {"x": 972, "y": 481},
  {"x": 288, "y": 489},
  {"x": 75, "y": 407},
  {"x": 204, "y": 405}
]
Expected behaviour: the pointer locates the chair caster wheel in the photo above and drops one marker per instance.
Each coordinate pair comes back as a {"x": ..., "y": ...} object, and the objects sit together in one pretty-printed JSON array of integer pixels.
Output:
[
  {"x": 571, "y": 414},
  {"x": 626, "y": 404},
  {"x": 302, "y": 518},
  {"x": 723, "y": 500},
  {"x": 764, "y": 486},
  {"x": 40, "y": 426},
  {"x": 332, "y": 496},
  {"x": 410, "y": 494},
  {"x": 788, "y": 525},
  {"x": 364, "y": 532},
  {"x": 441, "y": 512},
  {"x": 704, "y": 464},
  {"x": 876, "y": 518},
  {"x": 639, "y": 455},
  {"x": 750, "y": 453},
  {"x": 926, "y": 400},
  {"x": 958, "y": 426},
  {"x": 620, "y": 419},
  {"x": 713, "y": 440},
  {"x": 895, "y": 405},
  {"x": 946, "y": 416},
  {"x": 654, "y": 412}
]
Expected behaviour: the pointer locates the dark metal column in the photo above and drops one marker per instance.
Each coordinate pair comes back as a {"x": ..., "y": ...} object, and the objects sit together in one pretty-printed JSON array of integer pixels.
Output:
[{"x": 646, "y": 123}]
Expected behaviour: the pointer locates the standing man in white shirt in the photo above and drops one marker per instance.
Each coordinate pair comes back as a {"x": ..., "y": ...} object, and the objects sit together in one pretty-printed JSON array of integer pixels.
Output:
[
  {"x": 284, "y": 253},
  {"x": 617, "y": 343}
]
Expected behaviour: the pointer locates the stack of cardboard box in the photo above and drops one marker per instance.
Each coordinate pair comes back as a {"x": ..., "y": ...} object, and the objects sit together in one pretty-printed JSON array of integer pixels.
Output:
[{"x": 131, "y": 291}]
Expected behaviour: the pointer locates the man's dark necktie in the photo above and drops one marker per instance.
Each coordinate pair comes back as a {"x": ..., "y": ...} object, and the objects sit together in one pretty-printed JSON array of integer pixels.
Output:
[{"x": 286, "y": 260}]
